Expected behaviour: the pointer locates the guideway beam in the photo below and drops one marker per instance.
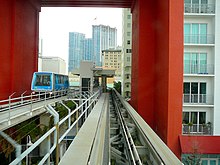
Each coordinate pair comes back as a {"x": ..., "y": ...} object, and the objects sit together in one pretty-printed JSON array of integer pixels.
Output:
[{"x": 88, "y": 146}]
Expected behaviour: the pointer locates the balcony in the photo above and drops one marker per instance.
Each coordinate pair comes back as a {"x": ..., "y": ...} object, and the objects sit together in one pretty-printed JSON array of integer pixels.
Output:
[
  {"x": 199, "y": 9},
  {"x": 199, "y": 39},
  {"x": 206, "y": 69},
  {"x": 204, "y": 129},
  {"x": 198, "y": 99}
]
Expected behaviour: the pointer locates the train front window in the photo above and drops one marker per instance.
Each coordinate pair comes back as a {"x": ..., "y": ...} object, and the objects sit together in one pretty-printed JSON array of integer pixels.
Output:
[{"x": 42, "y": 80}]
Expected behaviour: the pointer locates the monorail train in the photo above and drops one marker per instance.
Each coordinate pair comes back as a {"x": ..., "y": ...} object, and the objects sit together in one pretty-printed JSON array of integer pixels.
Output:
[{"x": 49, "y": 81}]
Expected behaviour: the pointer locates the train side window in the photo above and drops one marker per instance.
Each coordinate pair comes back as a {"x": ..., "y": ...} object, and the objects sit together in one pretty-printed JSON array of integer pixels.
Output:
[{"x": 42, "y": 80}]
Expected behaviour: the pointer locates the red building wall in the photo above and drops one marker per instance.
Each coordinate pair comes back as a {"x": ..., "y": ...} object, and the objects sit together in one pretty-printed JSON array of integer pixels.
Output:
[
  {"x": 19, "y": 21},
  {"x": 157, "y": 66}
]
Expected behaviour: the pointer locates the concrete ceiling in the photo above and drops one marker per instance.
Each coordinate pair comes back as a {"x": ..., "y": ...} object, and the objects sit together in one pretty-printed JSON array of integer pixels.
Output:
[{"x": 87, "y": 3}]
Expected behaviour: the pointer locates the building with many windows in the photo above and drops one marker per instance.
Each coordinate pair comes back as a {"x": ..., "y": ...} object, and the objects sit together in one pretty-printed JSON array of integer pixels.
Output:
[
  {"x": 76, "y": 50},
  {"x": 112, "y": 60},
  {"x": 126, "y": 52},
  {"x": 104, "y": 37},
  {"x": 201, "y": 87},
  {"x": 88, "y": 50}
]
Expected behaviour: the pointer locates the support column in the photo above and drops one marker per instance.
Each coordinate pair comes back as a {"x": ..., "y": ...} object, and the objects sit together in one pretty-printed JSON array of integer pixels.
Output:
[
  {"x": 104, "y": 85},
  {"x": 19, "y": 21},
  {"x": 157, "y": 66}
]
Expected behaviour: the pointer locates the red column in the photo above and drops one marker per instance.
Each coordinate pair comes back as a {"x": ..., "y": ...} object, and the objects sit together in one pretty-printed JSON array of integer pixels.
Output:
[
  {"x": 19, "y": 22},
  {"x": 157, "y": 66}
]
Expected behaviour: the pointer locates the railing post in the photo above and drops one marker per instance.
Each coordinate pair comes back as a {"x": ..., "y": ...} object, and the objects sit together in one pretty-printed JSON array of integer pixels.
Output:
[
  {"x": 31, "y": 103},
  {"x": 22, "y": 99},
  {"x": 56, "y": 133},
  {"x": 48, "y": 149},
  {"x": 9, "y": 106},
  {"x": 69, "y": 111},
  {"x": 45, "y": 97}
]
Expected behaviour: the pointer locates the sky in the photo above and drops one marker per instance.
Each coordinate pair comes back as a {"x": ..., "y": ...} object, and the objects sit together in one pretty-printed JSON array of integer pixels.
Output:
[{"x": 56, "y": 23}]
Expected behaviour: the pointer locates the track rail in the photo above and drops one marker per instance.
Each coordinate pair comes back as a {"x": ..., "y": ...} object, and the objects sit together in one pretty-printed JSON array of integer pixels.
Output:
[{"x": 132, "y": 140}]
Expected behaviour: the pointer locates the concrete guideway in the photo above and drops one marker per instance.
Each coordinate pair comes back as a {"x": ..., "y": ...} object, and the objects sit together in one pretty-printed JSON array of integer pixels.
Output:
[
  {"x": 111, "y": 131},
  {"x": 88, "y": 146},
  {"x": 115, "y": 133}
]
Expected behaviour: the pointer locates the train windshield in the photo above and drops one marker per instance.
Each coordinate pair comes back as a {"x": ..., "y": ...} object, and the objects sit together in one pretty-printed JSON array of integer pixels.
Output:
[{"x": 42, "y": 80}]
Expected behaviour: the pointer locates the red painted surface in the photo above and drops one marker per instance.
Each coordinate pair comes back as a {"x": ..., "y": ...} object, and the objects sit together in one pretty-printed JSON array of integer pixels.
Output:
[
  {"x": 5, "y": 47},
  {"x": 157, "y": 62},
  {"x": 200, "y": 144},
  {"x": 19, "y": 26}
]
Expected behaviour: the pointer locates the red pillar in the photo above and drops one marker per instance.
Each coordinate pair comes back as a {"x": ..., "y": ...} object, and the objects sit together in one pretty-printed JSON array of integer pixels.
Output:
[
  {"x": 157, "y": 66},
  {"x": 19, "y": 22}
]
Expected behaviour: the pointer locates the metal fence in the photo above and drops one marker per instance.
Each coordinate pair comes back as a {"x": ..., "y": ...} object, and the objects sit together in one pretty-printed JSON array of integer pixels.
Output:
[
  {"x": 199, "y": 9},
  {"x": 198, "y": 99},
  {"x": 199, "y": 39}
]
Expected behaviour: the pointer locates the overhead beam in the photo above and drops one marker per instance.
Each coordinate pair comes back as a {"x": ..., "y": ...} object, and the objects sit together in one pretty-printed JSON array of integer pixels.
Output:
[{"x": 87, "y": 3}]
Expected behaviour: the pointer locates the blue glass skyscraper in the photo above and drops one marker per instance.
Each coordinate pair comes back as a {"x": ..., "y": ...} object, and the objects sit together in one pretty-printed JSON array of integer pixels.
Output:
[
  {"x": 104, "y": 37},
  {"x": 88, "y": 50},
  {"x": 76, "y": 50}
]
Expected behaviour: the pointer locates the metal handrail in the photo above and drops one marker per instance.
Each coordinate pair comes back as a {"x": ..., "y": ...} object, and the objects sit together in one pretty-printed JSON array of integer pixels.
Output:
[
  {"x": 197, "y": 129},
  {"x": 55, "y": 129},
  {"x": 198, "y": 99},
  {"x": 11, "y": 103},
  {"x": 199, "y": 8},
  {"x": 199, "y": 39},
  {"x": 198, "y": 68}
]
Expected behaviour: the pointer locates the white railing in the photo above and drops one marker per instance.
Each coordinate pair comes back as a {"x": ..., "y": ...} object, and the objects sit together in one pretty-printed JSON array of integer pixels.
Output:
[
  {"x": 199, "y": 9},
  {"x": 203, "y": 129},
  {"x": 81, "y": 111},
  {"x": 198, "y": 69},
  {"x": 199, "y": 39},
  {"x": 15, "y": 102},
  {"x": 198, "y": 99}
]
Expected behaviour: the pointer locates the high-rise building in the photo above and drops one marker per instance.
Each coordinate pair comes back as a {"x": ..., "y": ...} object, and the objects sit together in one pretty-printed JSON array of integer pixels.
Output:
[
  {"x": 88, "y": 50},
  {"x": 104, "y": 37},
  {"x": 76, "y": 50},
  {"x": 112, "y": 59},
  {"x": 201, "y": 86},
  {"x": 126, "y": 52}
]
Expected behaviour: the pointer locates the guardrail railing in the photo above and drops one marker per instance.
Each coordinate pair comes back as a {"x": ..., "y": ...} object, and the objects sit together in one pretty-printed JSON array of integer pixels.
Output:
[
  {"x": 80, "y": 112},
  {"x": 201, "y": 129},
  {"x": 198, "y": 99},
  {"x": 199, "y": 8},
  {"x": 199, "y": 39},
  {"x": 205, "y": 69}
]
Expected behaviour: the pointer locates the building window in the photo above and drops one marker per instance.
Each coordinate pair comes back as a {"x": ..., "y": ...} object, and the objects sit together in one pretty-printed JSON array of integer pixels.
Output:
[
  {"x": 128, "y": 34},
  {"x": 194, "y": 122},
  {"x": 195, "y": 63},
  {"x": 128, "y": 42},
  {"x": 194, "y": 92},
  {"x": 128, "y": 50},
  {"x": 195, "y": 33},
  {"x": 128, "y": 16},
  {"x": 128, "y": 25},
  {"x": 128, "y": 59},
  {"x": 209, "y": 161}
]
